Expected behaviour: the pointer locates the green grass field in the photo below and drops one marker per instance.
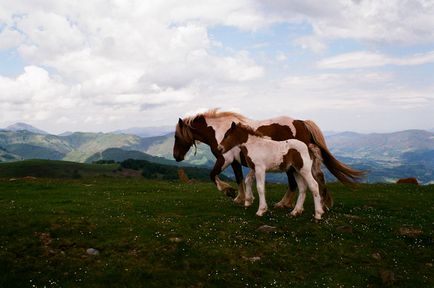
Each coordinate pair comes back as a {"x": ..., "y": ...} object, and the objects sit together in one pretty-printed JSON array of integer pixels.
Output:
[{"x": 167, "y": 234}]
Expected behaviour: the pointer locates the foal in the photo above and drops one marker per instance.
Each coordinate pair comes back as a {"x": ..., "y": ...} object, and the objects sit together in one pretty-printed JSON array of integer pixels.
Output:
[{"x": 262, "y": 155}]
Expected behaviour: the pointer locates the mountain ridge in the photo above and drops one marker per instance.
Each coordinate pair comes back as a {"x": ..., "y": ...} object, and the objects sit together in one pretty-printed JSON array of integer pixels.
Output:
[{"x": 379, "y": 152}]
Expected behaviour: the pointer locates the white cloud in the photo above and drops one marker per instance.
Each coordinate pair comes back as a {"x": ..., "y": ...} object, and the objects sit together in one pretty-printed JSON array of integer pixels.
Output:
[
  {"x": 141, "y": 63},
  {"x": 391, "y": 21},
  {"x": 118, "y": 58},
  {"x": 9, "y": 38},
  {"x": 312, "y": 43},
  {"x": 364, "y": 59}
]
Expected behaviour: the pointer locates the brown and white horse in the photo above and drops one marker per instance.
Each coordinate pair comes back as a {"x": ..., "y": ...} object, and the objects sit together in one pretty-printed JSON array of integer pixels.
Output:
[
  {"x": 210, "y": 127},
  {"x": 263, "y": 155}
]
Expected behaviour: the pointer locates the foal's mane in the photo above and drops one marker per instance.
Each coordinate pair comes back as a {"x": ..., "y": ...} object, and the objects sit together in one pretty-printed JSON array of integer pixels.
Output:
[{"x": 250, "y": 130}]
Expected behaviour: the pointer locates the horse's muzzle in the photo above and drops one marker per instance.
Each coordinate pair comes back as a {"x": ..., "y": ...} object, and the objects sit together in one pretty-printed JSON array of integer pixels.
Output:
[{"x": 178, "y": 158}]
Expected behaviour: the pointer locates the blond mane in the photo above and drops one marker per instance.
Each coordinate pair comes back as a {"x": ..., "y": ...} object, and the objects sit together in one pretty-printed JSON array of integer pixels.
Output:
[
  {"x": 215, "y": 113},
  {"x": 185, "y": 131}
]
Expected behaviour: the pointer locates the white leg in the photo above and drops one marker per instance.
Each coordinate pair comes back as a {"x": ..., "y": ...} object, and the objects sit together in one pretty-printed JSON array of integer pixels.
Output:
[
  {"x": 298, "y": 209},
  {"x": 249, "y": 194},
  {"x": 260, "y": 185},
  {"x": 314, "y": 188}
]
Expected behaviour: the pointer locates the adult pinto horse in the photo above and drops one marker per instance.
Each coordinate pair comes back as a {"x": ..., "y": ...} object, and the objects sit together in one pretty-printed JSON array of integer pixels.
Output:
[{"x": 210, "y": 127}]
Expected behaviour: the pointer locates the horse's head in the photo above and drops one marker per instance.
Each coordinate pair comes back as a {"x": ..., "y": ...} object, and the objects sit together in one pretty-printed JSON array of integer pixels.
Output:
[
  {"x": 234, "y": 136},
  {"x": 183, "y": 140}
]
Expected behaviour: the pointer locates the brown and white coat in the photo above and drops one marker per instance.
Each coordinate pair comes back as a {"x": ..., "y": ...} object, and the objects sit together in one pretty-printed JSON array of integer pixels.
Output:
[{"x": 262, "y": 154}]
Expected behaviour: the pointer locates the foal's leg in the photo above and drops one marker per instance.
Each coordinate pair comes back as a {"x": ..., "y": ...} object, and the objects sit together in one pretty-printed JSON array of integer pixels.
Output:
[
  {"x": 314, "y": 188},
  {"x": 249, "y": 194},
  {"x": 288, "y": 198},
  {"x": 298, "y": 209},
  {"x": 260, "y": 185}
]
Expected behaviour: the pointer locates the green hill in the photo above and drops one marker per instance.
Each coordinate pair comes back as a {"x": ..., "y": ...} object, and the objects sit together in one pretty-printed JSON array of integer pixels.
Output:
[
  {"x": 65, "y": 169},
  {"x": 167, "y": 172},
  {"x": 119, "y": 155},
  {"x": 54, "y": 169}
]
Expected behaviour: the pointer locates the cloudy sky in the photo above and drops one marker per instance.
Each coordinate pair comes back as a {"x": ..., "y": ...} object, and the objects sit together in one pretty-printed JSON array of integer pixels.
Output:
[{"x": 365, "y": 66}]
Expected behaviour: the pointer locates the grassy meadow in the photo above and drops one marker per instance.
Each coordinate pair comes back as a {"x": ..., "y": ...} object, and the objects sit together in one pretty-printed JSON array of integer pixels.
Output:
[{"x": 169, "y": 234}]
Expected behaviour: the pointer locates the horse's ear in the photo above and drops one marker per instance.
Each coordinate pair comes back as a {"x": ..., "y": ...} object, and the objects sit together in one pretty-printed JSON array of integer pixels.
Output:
[
  {"x": 180, "y": 123},
  {"x": 233, "y": 125}
]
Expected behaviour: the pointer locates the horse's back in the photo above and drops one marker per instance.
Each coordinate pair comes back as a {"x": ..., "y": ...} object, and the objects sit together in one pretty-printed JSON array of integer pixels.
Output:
[{"x": 283, "y": 128}]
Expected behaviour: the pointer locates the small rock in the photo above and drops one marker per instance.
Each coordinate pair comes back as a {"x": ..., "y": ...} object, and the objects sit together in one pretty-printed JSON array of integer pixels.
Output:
[
  {"x": 354, "y": 217},
  {"x": 388, "y": 277},
  {"x": 428, "y": 264},
  {"x": 376, "y": 256},
  {"x": 92, "y": 251},
  {"x": 12, "y": 179},
  {"x": 344, "y": 229},
  {"x": 252, "y": 259},
  {"x": 175, "y": 240},
  {"x": 410, "y": 231},
  {"x": 266, "y": 229}
]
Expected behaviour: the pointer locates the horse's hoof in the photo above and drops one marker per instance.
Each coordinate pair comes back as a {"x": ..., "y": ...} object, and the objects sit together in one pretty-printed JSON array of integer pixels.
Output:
[
  {"x": 230, "y": 192},
  {"x": 248, "y": 202},
  {"x": 295, "y": 213},
  {"x": 317, "y": 216},
  {"x": 281, "y": 205},
  {"x": 260, "y": 213},
  {"x": 239, "y": 199}
]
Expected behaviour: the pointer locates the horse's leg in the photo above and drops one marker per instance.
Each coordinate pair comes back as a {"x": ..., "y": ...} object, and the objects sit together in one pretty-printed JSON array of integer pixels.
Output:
[
  {"x": 327, "y": 200},
  {"x": 314, "y": 188},
  {"x": 249, "y": 194},
  {"x": 219, "y": 165},
  {"x": 326, "y": 197},
  {"x": 288, "y": 198},
  {"x": 238, "y": 171},
  {"x": 298, "y": 209},
  {"x": 260, "y": 185}
]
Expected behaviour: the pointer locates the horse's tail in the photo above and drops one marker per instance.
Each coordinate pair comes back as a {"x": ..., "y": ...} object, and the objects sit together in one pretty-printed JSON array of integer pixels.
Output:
[{"x": 341, "y": 171}]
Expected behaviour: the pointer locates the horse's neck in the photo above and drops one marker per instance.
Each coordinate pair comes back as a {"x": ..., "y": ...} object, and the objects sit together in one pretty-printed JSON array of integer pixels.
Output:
[{"x": 221, "y": 125}]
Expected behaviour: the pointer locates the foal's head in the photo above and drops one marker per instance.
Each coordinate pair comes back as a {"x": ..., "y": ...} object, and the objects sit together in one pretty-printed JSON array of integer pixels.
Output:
[{"x": 236, "y": 135}]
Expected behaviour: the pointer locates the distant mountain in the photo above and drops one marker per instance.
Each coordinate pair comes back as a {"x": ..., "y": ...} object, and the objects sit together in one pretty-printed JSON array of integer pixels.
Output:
[
  {"x": 380, "y": 147},
  {"x": 386, "y": 156},
  {"x": 147, "y": 131},
  {"x": 24, "y": 127},
  {"x": 67, "y": 133},
  {"x": 6, "y": 156}
]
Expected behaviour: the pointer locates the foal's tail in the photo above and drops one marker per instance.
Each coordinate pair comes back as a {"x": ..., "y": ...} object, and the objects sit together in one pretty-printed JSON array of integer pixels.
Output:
[{"x": 341, "y": 171}]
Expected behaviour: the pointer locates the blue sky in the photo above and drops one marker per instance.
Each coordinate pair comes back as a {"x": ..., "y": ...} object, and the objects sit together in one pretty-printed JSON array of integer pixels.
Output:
[{"x": 364, "y": 66}]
